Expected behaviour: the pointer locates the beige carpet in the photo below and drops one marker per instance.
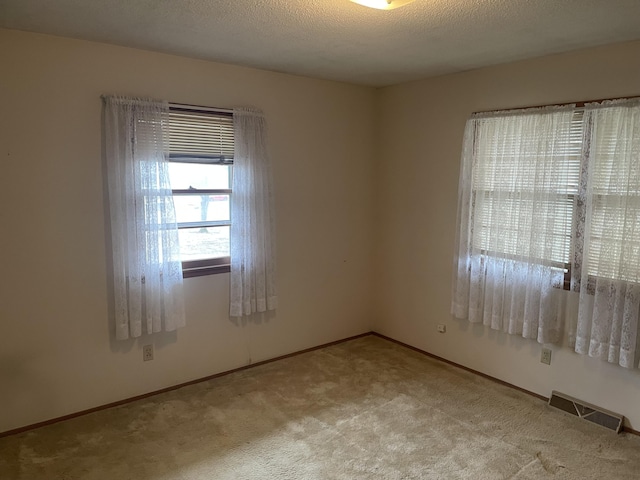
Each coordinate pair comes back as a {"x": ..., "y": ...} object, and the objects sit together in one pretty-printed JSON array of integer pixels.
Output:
[{"x": 363, "y": 409}]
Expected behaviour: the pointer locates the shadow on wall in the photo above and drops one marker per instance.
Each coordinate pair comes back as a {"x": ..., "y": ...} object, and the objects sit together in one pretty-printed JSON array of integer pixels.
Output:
[
  {"x": 30, "y": 387},
  {"x": 257, "y": 318},
  {"x": 500, "y": 338}
]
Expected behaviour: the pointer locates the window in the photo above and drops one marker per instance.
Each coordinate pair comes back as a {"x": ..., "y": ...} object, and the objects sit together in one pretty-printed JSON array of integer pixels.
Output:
[
  {"x": 522, "y": 211},
  {"x": 550, "y": 198},
  {"x": 201, "y": 149},
  {"x": 515, "y": 162},
  {"x": 614, "y": 194}
]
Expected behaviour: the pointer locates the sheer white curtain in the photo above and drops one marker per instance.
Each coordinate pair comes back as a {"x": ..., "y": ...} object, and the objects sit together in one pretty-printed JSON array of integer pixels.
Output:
[
  {"x": 519, "y": 170},
  {"x": 608, "y": 241},
  {"x": 253, "y": 266},
  {"x": 147, "y": 272}
]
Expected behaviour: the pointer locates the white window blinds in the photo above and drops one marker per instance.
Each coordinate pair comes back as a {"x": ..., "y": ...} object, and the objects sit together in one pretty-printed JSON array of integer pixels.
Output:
[{"x": 203, "y": 136}]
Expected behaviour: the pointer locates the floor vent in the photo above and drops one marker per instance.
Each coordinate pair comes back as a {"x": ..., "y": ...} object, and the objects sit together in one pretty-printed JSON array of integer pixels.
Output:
[{"x": 586, "y": 411}]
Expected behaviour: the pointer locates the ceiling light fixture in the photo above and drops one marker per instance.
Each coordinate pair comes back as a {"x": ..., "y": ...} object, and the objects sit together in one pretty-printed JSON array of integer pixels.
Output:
[{"x": 382, "y": 4}]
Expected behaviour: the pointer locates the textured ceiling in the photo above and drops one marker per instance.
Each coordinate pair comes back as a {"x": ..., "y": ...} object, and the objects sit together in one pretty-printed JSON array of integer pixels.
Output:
[{"x": 338, "y": 39}]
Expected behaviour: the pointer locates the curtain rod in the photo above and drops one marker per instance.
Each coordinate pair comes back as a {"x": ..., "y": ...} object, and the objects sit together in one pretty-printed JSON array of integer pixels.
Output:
[
  {"x": 228, "y": 111},
  {"x": 577, "y": 104}
]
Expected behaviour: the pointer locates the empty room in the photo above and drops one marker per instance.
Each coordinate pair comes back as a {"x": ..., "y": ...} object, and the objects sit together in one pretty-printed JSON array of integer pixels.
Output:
[{"x": 320, "y": 239}]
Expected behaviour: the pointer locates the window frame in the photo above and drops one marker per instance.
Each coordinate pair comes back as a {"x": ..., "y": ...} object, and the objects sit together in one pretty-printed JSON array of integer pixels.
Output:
[{"x": 212, "y": 265}]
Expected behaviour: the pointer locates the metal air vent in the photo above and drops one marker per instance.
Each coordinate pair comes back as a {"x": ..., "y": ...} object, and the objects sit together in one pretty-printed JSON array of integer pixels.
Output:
[{"x": 586, "y": 411}]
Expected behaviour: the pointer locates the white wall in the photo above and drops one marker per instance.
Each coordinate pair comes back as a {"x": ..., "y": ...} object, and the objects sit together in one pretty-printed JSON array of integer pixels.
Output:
[
  {"x": 419, "y": 142},
  {"x": 56, "y": 352}
]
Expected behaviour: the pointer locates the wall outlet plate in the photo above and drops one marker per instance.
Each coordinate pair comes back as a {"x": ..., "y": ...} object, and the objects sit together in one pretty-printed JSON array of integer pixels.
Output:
[
  {"x": 147, "y": 353},
  {"x": 442, "y": 328},
  {"x": 545, "y": 356}
]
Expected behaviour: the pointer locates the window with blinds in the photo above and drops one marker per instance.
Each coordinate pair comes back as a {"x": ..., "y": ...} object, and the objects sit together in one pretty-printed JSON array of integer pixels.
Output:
[
  {"x": 201, "y": 149},
  {"x": 200, "y": 136},
  {"x": 614, "y": 195},
  {"x": 526, "y": 187},
  {"x": 520, "y": 210}
]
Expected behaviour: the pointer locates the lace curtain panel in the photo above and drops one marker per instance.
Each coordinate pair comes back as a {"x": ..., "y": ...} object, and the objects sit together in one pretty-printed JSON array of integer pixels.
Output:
[
  {"x": 147, "y": 272},
  {"x": 253, "y": 266},
  {"x": 545, "y": 192},
  {"x": 514, "y": 217},
  {"x": 608, "y": 277}
]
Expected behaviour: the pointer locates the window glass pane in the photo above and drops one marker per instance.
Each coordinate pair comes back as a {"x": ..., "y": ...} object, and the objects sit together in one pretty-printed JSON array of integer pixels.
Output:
[
  {"x": 200, "y": 208},
  {"x": 520, "y": 227},
  {"x": 185, "y": 176},
  {"x": 203, "y": 243},
  {"x": 615, "y": 222}
]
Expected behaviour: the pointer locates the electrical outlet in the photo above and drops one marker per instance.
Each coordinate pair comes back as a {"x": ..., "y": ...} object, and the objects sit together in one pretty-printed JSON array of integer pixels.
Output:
[
  {"x": 442, "y": 328},
  {"x": 147, "y": 353},
  {"x": 545, "y": 356}
]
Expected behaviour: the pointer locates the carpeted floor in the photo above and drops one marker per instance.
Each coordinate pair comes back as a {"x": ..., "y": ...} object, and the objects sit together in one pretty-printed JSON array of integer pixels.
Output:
[{"x": 364, "y": 409}]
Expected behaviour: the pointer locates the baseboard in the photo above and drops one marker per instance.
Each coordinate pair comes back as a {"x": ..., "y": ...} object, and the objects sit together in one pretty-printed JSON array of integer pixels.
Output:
[
  {"x": 275, "y": 359},
  {"x": 174, "y": 387},
  {"x": 484, "y": 375}
]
